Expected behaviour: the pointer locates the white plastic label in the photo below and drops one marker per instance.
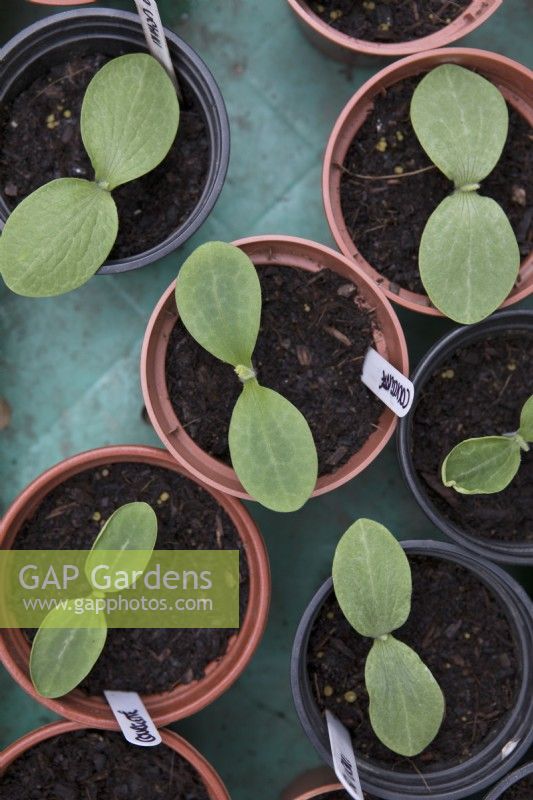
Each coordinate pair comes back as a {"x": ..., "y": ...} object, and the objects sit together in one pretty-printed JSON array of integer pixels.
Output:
[
  {"x": 134, "y": 720},
  {"x": 343, "y": 757},
  {"x": 387, "y": 383},
  {"x": 155, "y": 35}
]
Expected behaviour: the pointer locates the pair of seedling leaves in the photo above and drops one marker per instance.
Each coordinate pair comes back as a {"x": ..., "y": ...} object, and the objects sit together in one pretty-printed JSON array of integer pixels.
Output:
[
  {"x": 488, "y": 464},
  {"x": 468, "y": 256},
  {"x": 372, "y": 584},
  {"x": 218, "y": 296},
  {"x": 69, "y": 641},
  {"x": 59, "y": 236}
]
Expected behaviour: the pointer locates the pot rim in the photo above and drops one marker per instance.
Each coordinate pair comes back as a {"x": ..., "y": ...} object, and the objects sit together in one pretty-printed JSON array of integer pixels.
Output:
[
  {"x": 200, "y": 81},
  {"x": 302, "y": 253},
  {"x": 379, "y": 781},
  {"x": 209, "y": 776},
  {"x": 468, "y": 20},
  {"x": 349, "y": 122},
  {"x": 186, "y": 699},
  {"x": 515, "y": 776},
  {"x": 497, "y": 550}
]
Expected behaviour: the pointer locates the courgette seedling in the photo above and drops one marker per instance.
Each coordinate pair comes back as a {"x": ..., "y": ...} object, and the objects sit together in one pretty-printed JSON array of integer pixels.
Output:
[
  {"x": 72, "y": 636},
  {"x": 488, "y": 464},
  {"x": 218, "y": 296},
  {"x": 468, "y": 256},
  {"x": 372, "y": 584},
  {"x": 61, "y": 234}
]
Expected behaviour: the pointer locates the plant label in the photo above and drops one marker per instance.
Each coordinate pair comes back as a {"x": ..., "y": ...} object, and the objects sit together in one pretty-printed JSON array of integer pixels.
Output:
[
  {"x": 134, "y": 720},
  {"x": 155, "y": 36},
  {"x": 387, "y": 383},
  {"x": 343, "y": 757}
]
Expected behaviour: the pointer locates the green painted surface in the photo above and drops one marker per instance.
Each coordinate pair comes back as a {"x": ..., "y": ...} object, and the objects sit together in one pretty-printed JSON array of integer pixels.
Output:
[{"x": 69, "y": 365}]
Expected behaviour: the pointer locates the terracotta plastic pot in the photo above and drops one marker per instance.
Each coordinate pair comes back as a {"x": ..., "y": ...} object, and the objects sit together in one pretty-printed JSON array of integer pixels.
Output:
[
  {"x": 183, "y": 700},
  {"x": 512, "y": 79},
  {"x": 499, "y": 791},
  {"x": 266, "y": 250},
  {"x": 497, "y": 550},
  {"x": 313, "y": 783},
  {"x": 81, "y": 31},
  {"x": 346, "y": 48},
  {"x": 211, "y": 779},
  {"x": 510, "y": 741}
]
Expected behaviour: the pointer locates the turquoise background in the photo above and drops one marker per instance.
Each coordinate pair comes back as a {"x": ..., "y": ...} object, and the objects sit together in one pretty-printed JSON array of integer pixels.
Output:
[{"x": 69, "y": 365}]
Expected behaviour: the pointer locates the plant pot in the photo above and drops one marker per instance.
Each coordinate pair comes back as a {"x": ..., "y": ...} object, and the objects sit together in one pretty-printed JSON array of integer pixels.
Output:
[
  {"x": 55, "y": 38},
  {"x": 497, "y": 550},
  {"x": 512, "y": 79},
  {"x": 182, "y": 700},
  {"x": 510, "y": 742},
  {"x": 264, "y": 250},
  {"x": 311, "y": 784},
  {"x": 509, "y": 780},
  {"x": 211, "y": 779},
  {"x": 346, "y": 48}
]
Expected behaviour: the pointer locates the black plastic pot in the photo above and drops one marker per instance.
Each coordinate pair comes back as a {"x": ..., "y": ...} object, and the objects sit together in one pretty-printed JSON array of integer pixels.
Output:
[
  {"x": 510, "y": 742},
  {"x": 505, "y": 552},
  {"x": 111, "y": 32},
  {"x": 509, "y": 780}
]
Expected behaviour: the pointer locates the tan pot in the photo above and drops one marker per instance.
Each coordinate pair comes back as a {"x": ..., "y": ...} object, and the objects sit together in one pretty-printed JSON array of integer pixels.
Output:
[
  {"x": 211, "y": 779},
  {"x": 311, "y": 784},
  {"x": 182, "y": 701},
  {"x": 289, "y": 251},
  {"x": 512, "y": 79},
  {"x": 348, "y": 49}
]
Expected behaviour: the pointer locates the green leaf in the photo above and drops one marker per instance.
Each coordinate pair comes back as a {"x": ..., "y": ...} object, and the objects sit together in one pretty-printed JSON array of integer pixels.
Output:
[
  {"x": 406, "y": 703},
  {"x": 372, "y": 579},
  {"x": 468, "y": 257},
  {"x": 461, "y": 121},
  {"x": 129, "y": 118},
  {"x": 61, "y": 657},
  {"x": 130, "y": 534},
  {"x": 272, "y": 449},
  {"x": 526, "y": 420},
  {"x": 482, "y": 466},
  {"x": 218, "y": 296},
  {"x": 57, "y": 238}
]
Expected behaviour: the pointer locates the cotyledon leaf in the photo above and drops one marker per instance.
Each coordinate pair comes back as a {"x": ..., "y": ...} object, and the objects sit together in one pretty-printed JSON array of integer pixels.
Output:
[
  {"x": 482, "y": 466},
  {"x": 129, "y": 118},
  {"x": 272, "y": 449},
  {"x": 57, "y": 238},
  {"x": 372, "y": 579},
  {"x": 526, "y": 420},
  {"x": 125, "y": 544},
  {"x": 469, "y": 257},
  {"x": 218, "y": 296},
  {"x": 65, "y": 649},
  {"x": 461, "y": 121},
  {"x": 406, "y": 703}
]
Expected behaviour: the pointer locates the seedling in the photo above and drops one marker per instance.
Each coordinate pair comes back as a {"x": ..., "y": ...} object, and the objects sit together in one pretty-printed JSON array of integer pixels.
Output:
[
  {"x": 372, "y": 583},
  {"x": 69, "y": 642},
  {"x": 488, "y": 464},
  {"x": 218, "y": 296},
  {"x": 60, "y": 235},
  {"x": 468, "y": 257}
]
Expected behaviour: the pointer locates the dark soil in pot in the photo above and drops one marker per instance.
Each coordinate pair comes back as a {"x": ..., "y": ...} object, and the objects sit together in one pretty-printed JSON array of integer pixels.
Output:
[
  {"x": 40, "y": 140},
  {"x": 380, "y": 21},
  {"x": 341, "y": 795},
  {"x": 311, "y": 348},
  {"x": 521, "y": 790},
  {"x": 70, "y": 517},
  {"x": 477, "y": 391},
  {"x": 99, "y": 765},
  {"x": 386, "y": 218},
  {"x": 460, "y": 631}
]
